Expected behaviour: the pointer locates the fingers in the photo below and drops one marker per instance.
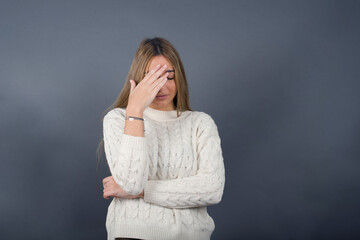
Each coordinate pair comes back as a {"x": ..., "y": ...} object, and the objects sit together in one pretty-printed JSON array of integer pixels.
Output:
[
  {"x": 159, "y": 72},
  {"x": 116, "y": 191},
  {"x": 151, "y": 72},
  {"x": 155, "y": 74},
  {"x": 111, "y": 191},
  {"x": 105, "y": 195},
  {"x": 108, "y": 191},
  {"x": 158, "y": 84},
  {"x": 107, "y": 179},
  {"x": 109, "y": 183}
]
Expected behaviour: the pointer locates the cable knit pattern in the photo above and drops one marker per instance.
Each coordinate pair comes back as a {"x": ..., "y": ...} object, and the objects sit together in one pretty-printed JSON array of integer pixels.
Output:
[{"x": 178, "y": 164}]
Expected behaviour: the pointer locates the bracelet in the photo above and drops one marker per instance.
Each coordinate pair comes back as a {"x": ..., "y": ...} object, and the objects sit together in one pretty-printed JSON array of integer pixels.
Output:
[{"x": 131, "y": 118}]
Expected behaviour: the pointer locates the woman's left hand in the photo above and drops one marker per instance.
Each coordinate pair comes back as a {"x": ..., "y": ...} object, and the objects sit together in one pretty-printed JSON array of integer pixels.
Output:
[{"x": 112, "y": 189}]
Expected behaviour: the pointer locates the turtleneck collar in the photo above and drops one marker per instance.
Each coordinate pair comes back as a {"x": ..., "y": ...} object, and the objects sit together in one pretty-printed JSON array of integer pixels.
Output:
[{"x": 160, "y": 115}]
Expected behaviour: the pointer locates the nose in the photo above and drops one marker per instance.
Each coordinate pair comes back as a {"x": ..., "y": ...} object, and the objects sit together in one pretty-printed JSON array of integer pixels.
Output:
[{"x": 164, "y": 87}]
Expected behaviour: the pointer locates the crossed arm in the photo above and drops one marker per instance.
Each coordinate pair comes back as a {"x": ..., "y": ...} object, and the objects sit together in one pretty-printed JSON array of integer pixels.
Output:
[
  {"x": 128, "y": 181},
  {"x": 112, "y": 189}
]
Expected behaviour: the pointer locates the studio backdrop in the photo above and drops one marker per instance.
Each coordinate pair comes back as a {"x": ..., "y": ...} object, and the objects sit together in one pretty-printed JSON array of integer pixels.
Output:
[{"x": 279, "y": 78}]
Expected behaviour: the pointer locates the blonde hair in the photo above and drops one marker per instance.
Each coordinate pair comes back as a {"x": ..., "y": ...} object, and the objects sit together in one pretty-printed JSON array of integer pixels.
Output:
[{"x": 149, "y": 48}]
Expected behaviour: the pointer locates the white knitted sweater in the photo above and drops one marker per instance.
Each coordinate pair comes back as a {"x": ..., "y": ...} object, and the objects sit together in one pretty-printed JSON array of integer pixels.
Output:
[{"x": 178, "y": 164}]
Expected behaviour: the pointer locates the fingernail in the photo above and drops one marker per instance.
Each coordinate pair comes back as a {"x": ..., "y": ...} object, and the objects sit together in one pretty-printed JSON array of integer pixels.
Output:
[
  {"x": 158, "y": 65},
  {"x": 164, "y": 66}
]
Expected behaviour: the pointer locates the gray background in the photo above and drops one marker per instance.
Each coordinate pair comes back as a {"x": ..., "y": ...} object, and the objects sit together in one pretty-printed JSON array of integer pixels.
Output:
[{"x": 280, "y": 79}]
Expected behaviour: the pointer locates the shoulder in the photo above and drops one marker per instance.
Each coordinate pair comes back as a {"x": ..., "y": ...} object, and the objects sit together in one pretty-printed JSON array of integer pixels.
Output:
[
  {"x": 114, "y": 121},
  {"x": 204, "y": 122},
  {"x": 202, "y": 117},
  {"x": 115, "y": 113},
  {"x": 114, "y": 118}
]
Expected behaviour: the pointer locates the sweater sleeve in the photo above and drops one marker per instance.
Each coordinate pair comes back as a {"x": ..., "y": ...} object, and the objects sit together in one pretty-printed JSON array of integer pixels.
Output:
[
  {"x": 126, "y": 155},
  {"x": 204, "y": 188}
]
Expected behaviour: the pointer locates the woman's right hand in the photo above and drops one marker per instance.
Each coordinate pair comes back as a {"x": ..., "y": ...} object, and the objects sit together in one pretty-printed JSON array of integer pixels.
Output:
[{"x": 145, "y": 92}]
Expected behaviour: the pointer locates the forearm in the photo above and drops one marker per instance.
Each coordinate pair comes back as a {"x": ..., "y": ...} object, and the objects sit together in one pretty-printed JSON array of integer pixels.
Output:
[
  {"x": 206, "y": 186},
  {"x": 195, "y": 191},
  {"x": 126, "y": 154},
  {"x": 136, "y": 127}
]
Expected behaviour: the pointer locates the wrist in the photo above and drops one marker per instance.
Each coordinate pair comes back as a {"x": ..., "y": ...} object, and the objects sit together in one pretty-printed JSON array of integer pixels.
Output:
[
  {"x": 141, "y": 195},
  {"x": 134, "y": 111}
]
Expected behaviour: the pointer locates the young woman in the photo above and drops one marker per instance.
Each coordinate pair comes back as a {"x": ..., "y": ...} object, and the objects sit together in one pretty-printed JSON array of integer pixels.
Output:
[{"x": 165, "y": 159}]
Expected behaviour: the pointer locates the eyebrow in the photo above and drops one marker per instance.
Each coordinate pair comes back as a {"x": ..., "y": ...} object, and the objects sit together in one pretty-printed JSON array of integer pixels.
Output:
[{"x": 171, "y": 70}]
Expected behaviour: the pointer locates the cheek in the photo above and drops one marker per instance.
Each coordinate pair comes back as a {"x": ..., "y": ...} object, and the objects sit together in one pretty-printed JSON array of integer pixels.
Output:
[{"x": 172, "y": 87}]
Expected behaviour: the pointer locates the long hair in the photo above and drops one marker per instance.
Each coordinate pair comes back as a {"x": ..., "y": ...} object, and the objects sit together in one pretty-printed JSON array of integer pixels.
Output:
[{"x": 149, "y": 48}]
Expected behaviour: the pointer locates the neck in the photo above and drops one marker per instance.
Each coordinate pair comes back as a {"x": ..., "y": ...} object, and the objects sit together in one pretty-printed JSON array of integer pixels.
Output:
[{"x": 160, "y": 115}]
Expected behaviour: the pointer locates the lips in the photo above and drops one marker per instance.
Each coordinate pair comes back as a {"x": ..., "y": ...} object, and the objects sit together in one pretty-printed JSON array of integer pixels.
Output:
[{"x": 161, "y": 97}]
